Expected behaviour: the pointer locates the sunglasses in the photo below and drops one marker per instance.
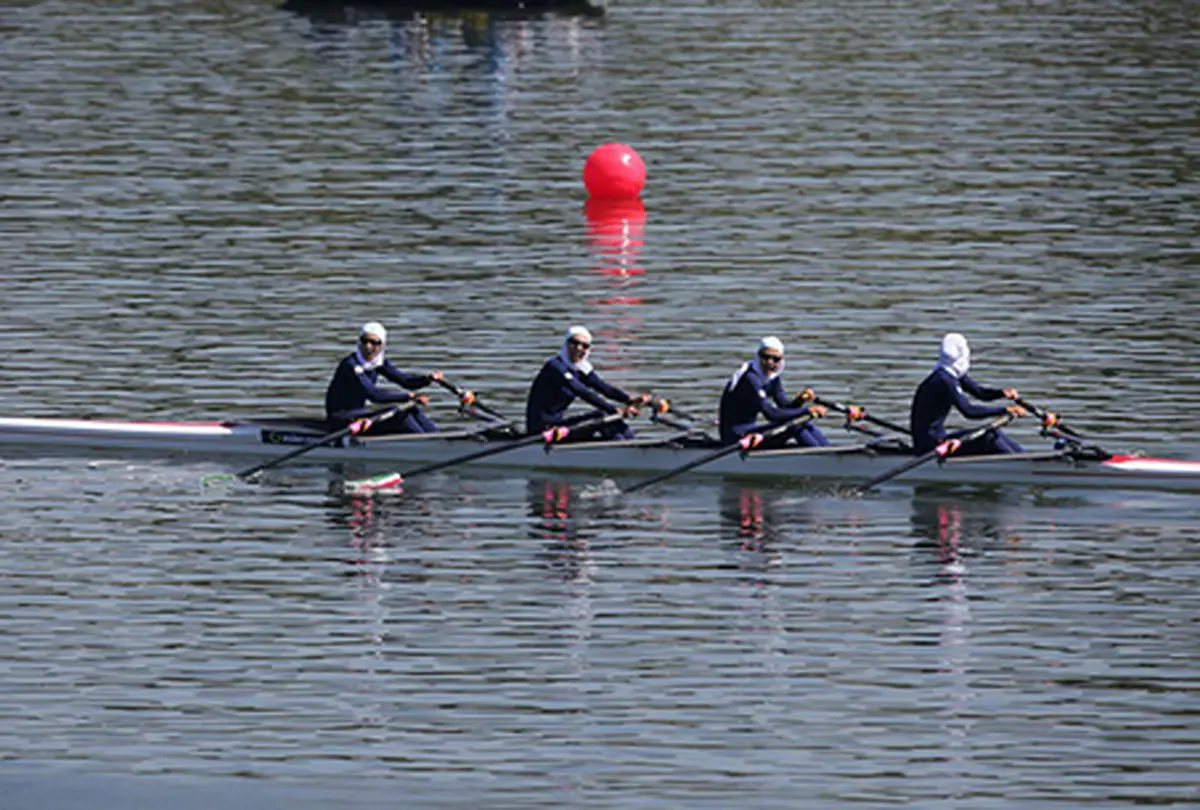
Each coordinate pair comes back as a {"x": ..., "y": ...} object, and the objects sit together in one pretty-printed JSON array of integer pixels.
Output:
[
  {"x": 369, "y": 341},
  {"x": 579, "y": 343},
  {"x": 771, "y": 358}
]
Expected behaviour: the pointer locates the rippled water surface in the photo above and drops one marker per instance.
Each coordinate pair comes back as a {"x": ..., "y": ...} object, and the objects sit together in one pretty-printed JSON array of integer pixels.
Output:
[{"x": 203, "y": 199}]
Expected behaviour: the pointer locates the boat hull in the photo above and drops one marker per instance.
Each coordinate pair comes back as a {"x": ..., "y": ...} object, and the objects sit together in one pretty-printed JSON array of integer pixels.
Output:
[{"x": 238, "y": 441}]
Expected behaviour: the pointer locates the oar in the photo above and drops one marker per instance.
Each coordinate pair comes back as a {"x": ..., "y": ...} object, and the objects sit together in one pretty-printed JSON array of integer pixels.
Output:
[
  {"x": 746, "y": 444},
  {"x": 662, "y": 406},
  {"x": 856, "y": 412},
  {"x": 554, "y": 434},
  {"x": 946, "y": 448},
  {"x": 1048, "y": 419},
  {"x": 355, "y": 427},
  {"x": 663, "y": 419},
  {"x": 474, "y": 402}
]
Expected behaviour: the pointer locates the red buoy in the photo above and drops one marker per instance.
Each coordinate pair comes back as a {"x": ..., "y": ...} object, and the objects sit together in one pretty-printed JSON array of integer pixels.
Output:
[{"x": 614, "y": 171}]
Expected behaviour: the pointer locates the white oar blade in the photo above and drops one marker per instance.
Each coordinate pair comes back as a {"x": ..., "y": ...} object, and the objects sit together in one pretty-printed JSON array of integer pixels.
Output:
[{"x": 359, "y": 486}]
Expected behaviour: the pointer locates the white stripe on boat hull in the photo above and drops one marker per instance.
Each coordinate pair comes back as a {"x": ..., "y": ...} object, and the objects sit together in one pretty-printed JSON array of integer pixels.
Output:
[{"x": 850, "y": 464}]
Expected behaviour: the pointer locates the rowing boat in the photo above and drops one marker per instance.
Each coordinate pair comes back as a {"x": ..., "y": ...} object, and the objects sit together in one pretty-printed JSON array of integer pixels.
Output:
[{"x": 266, "y": 438}]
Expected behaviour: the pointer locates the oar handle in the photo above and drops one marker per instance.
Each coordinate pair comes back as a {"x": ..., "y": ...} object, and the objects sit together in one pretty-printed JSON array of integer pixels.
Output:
[
  {"x": 356, "y": 426},
  {"x": 947, "y": 447},
  {"x": 461, "y": 392},
  {"x": 1048, "y": 420},
  {"x": 849, "y": 410}
]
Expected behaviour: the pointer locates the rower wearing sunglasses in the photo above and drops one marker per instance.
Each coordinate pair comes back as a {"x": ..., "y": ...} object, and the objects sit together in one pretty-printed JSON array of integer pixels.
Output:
[
  {"x": 757, "y": 388},
  {"x": 568, "y": 375},
  {"x": 354, "y": 384}
]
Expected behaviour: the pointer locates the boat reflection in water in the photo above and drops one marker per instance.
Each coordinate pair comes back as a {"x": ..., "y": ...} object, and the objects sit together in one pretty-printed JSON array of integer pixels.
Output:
[
  {"x": 373, "y": 522},
  {"x": 426, "y": 40},
  {"x": 566, "y": 550},
  {"x": 952, "y": 530},
  {"x": 949, "y": 528},
  {"x": 334, "y": 11},
  {"x": 750, "y": 517},
  {"x": 451, "y": 62}
]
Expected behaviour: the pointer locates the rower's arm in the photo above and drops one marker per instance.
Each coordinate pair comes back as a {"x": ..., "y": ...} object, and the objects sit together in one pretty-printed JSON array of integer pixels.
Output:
[
  {"x": 978, "y": 391},
  {"x": 968, "y": 408},
  {"x": 775, "y": 404},
  {"x": 584, "y": 390},
  {"x": 607, "y": 389},
  {"x": 374, "y": 393},
  {"x": 404, "y": 379}
]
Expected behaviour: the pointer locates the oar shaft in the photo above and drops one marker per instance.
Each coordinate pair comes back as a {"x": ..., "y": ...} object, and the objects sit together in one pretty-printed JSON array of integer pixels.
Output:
[
  {"x": 671, "y": 409},
  {"x": 504, "y": 447},
  {"x": 329, "y": 438},
  {"x": 1041, "y": 415},
  {"x": 691, "y": 465},
  {"x": 883, "y": 423},
  {"x": 898, "y": 471},
  {"x": 942, "y": 450},
  {"x": 716, "y": 454},
  {"x": 481, "y": 453},
  {"x": 459, "y": 392},
  {"x": 663, "y": 419}
]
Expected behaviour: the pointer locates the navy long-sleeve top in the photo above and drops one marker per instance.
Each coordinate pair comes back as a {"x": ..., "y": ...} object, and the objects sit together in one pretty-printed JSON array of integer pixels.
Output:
[
  {"x": 940, "y": 392},
  {"x": 752, "y": 394},
  {"x": 557, "y": 385},
  {"x": 353, "y": 385}
]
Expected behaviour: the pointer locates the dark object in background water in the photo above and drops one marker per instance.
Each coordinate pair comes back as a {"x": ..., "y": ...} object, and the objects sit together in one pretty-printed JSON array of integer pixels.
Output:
[{"x": 345, "y": 10}]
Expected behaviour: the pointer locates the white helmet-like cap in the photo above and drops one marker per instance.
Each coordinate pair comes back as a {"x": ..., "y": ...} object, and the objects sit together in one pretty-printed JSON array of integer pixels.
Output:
[
  {"x": 374, "y": 328},
  {"x": 955, "y": 354},
  {"x": 772, "y": 343},
  {"x": 579, "y": 332}
]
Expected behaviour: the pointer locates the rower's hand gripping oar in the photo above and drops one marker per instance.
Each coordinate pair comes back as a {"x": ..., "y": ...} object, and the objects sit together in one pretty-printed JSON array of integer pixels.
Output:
[
  {"x": 549, "y": 437},
  {"x": 745, "y": 446},
  {"x": 944, "y": 449},
  {"x": 468, "y": 399},
  {"x": 352, "y": 429}
]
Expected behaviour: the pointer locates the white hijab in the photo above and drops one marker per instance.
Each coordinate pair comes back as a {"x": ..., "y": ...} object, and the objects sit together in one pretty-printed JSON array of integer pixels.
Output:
[
  {"x": 373, "y": 328},
  {"x": 955, "y": 355},
  {"x": 774, "y": 344},
  {"x": 583, "y": 366}
]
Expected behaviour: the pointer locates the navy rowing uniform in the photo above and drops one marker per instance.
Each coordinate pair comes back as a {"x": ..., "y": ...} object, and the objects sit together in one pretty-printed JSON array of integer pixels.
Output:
[
  {"x": 942, "y": 391},
  {"x": 557, "y": 385},
  {"x": 354, "y": 384},
  {"x": 748, "y": 394}
]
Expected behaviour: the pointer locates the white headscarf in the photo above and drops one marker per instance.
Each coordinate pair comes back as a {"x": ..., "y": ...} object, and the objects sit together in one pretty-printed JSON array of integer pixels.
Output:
[
  {"x": 955, "y": 355},
  {"x": 774, "y": 344},
  {"x": 373, "y": 328},
  {"x": 583, "y": 366}
]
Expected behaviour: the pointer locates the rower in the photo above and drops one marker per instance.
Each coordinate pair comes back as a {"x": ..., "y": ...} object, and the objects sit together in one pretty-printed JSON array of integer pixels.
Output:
[
  {"x": 757, "y": 388},
  {"x": 946, "y": 387},
  {"x": 568, "y": 375},
  {"x": 354, "y": 385}
]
